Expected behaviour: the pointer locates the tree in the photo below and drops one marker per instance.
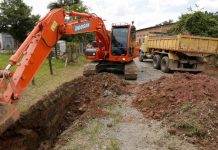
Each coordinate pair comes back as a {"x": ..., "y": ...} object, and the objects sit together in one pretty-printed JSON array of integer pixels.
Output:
[
  {"x": 198, "y": 23},
  {"x": 54, "y": 5},
  {"x": 78, "y": 6},
  {"x": 16, "y": 19},
  {"x": 63, "y": 3},
  {"x": 165, "y": 22}
]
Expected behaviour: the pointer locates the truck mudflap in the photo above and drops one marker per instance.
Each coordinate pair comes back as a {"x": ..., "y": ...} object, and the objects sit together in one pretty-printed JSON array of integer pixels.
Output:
[{"x": 9, "y": 114}]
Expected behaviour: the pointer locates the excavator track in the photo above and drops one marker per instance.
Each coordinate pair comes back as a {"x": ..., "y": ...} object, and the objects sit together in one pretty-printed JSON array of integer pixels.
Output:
[
  {"x": 130, "y": 71},
  {"x": 9, "y": 114}
]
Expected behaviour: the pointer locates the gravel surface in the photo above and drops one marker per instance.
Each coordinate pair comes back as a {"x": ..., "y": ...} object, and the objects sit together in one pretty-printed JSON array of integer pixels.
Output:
[{"x": 146, "y": 72}]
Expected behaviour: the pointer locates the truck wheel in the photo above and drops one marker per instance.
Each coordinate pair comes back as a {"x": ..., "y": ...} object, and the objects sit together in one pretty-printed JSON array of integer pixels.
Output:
[
  {"x": 165, "y": 64},
  {"x": 156, "y": 61}
]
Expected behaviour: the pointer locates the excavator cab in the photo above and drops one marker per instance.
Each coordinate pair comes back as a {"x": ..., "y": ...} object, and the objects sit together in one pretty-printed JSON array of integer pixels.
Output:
[
  {"x": 123, "y": 47},
  {"x": 119, "y": 40},
  {"x": 122, "y": 40}
]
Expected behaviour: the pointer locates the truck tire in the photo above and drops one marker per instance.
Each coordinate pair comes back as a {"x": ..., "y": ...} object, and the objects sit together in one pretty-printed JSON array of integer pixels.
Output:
[
  {"x": 156, "y": 61},
  {"x": 165, "y": 64}
]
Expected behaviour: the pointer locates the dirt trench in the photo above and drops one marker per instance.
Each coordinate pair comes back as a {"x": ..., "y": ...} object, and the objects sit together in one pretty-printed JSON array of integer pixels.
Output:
[{"x": 39, "y": 127}]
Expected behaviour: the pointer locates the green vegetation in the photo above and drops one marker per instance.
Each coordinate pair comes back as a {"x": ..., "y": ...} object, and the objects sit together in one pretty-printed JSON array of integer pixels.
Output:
[
  {"x": 44, "y": 72},
  {"x": 165, "y": 22},
  {"x": 58, "y": 65},
  {"x": 192, "y": 128},
  {"x": 198, "y": 23},
  {"x": 4, "y": 60},
  {"x": 75, "y": 148},
  {"x": 16, "y": 19},
  {"x": 185, "y": 107},
  {"x": 77, "y": 6},
  {"x": 92, "y": 131},
  {"x": 114, "y": 145}
]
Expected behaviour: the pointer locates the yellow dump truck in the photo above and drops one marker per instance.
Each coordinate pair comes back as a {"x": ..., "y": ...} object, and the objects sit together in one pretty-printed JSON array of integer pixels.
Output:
[{"x": 178, "y": 53}]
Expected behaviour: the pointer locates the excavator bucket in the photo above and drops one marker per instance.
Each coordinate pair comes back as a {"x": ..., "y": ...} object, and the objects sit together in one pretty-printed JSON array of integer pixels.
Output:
[{"x": 9, "y": 114}]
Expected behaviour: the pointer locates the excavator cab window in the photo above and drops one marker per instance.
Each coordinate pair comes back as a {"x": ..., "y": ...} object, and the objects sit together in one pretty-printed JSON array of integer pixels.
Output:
[{"x": 119, "y": 41}]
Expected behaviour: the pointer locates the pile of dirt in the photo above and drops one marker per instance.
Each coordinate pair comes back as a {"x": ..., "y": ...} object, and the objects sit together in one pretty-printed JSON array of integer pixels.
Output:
[
  {"x": 212, "y": 71},
  {"x": 40, "y": 126},
  {"x": 186, "y": 102}
]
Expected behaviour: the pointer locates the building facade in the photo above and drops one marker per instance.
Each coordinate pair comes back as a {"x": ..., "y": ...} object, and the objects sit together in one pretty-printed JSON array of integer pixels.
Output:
[
  {"x": 140, "y": 34},
  {"x": 7, "y": 42}
]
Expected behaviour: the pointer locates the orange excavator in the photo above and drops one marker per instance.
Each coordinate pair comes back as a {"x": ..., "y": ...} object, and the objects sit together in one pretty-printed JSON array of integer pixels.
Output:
[{"x": 114, "y": 51}]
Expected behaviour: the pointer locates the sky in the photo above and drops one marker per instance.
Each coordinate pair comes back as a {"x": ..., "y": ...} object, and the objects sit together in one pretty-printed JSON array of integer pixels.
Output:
[{"x": 144, "y": 13}]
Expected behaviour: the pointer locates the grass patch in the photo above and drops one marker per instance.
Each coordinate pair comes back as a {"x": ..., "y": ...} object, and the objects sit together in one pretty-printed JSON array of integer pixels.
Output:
[
  {"x": 191, "y": 128},
  {"x": 185, "y": 107},
  {"x": 92, "y": 131},
  {"x": 44, "y": 69},
  {"x": 114, "y": 145},
  {"x": 194, "y": 112},
  {"x": 44, "y": 72},
  {"x": 4, "y": 60},
  {"x": 75, "y": 148},
  {"x": 117, "y": 118}
]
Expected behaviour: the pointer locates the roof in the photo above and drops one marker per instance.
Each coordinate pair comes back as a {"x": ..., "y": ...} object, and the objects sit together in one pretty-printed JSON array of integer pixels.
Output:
[{"x": 155, "y": 26}]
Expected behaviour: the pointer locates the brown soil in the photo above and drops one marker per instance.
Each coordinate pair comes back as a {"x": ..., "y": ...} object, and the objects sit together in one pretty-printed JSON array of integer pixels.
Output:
[
  {"x": 212, "y": 71},
  {"x": 40, "y": 126},
  {"x": 189, "y": 103}
]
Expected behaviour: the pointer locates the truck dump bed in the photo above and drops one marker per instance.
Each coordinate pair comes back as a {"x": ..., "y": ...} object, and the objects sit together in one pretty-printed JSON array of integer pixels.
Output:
[{"x": 184, "y": 43}]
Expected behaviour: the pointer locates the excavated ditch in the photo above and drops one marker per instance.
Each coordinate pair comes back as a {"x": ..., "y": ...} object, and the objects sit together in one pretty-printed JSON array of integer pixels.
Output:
[{"x": 40, "y": 126}]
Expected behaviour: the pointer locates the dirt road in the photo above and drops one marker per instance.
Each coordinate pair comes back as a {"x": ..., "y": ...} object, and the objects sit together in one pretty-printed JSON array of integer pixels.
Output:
[
  {"x": 146, "y": 72},
  {"x": 125, "y": 128}
]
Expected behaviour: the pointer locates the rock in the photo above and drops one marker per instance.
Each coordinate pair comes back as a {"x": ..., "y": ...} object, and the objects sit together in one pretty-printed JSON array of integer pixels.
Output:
[
  {"x": 157, "y": 116},
  {"x": 162, "y": 94},
  {"x": 83, "y": 108},
  {"x": 105, "y": 84},
  {"x": 144, "y": 109},
  {"x": 139, "y": 100},
  {"x": 172, "y": 131},
  {"x": 150, "y": 114},
  {"x": 117, "y": 89},
  {"x": 77, "y": 101},
  {"x": 216, "y": 123},
  {"x": 109, "y": 125},
  {"x": 107, "y": 93}
]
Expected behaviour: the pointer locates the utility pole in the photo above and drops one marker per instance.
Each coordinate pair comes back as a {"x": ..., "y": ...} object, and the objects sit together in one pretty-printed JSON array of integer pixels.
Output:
[{"x": 50, "y": 64}]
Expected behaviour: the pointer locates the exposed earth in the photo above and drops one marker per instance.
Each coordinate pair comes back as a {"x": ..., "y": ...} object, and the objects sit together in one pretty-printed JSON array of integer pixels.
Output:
[{"x": 174, "y": 111}]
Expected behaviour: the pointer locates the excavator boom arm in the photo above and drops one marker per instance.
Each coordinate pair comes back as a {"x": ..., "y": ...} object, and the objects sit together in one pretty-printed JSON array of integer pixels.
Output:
[{"x": 36, "y": 48}]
